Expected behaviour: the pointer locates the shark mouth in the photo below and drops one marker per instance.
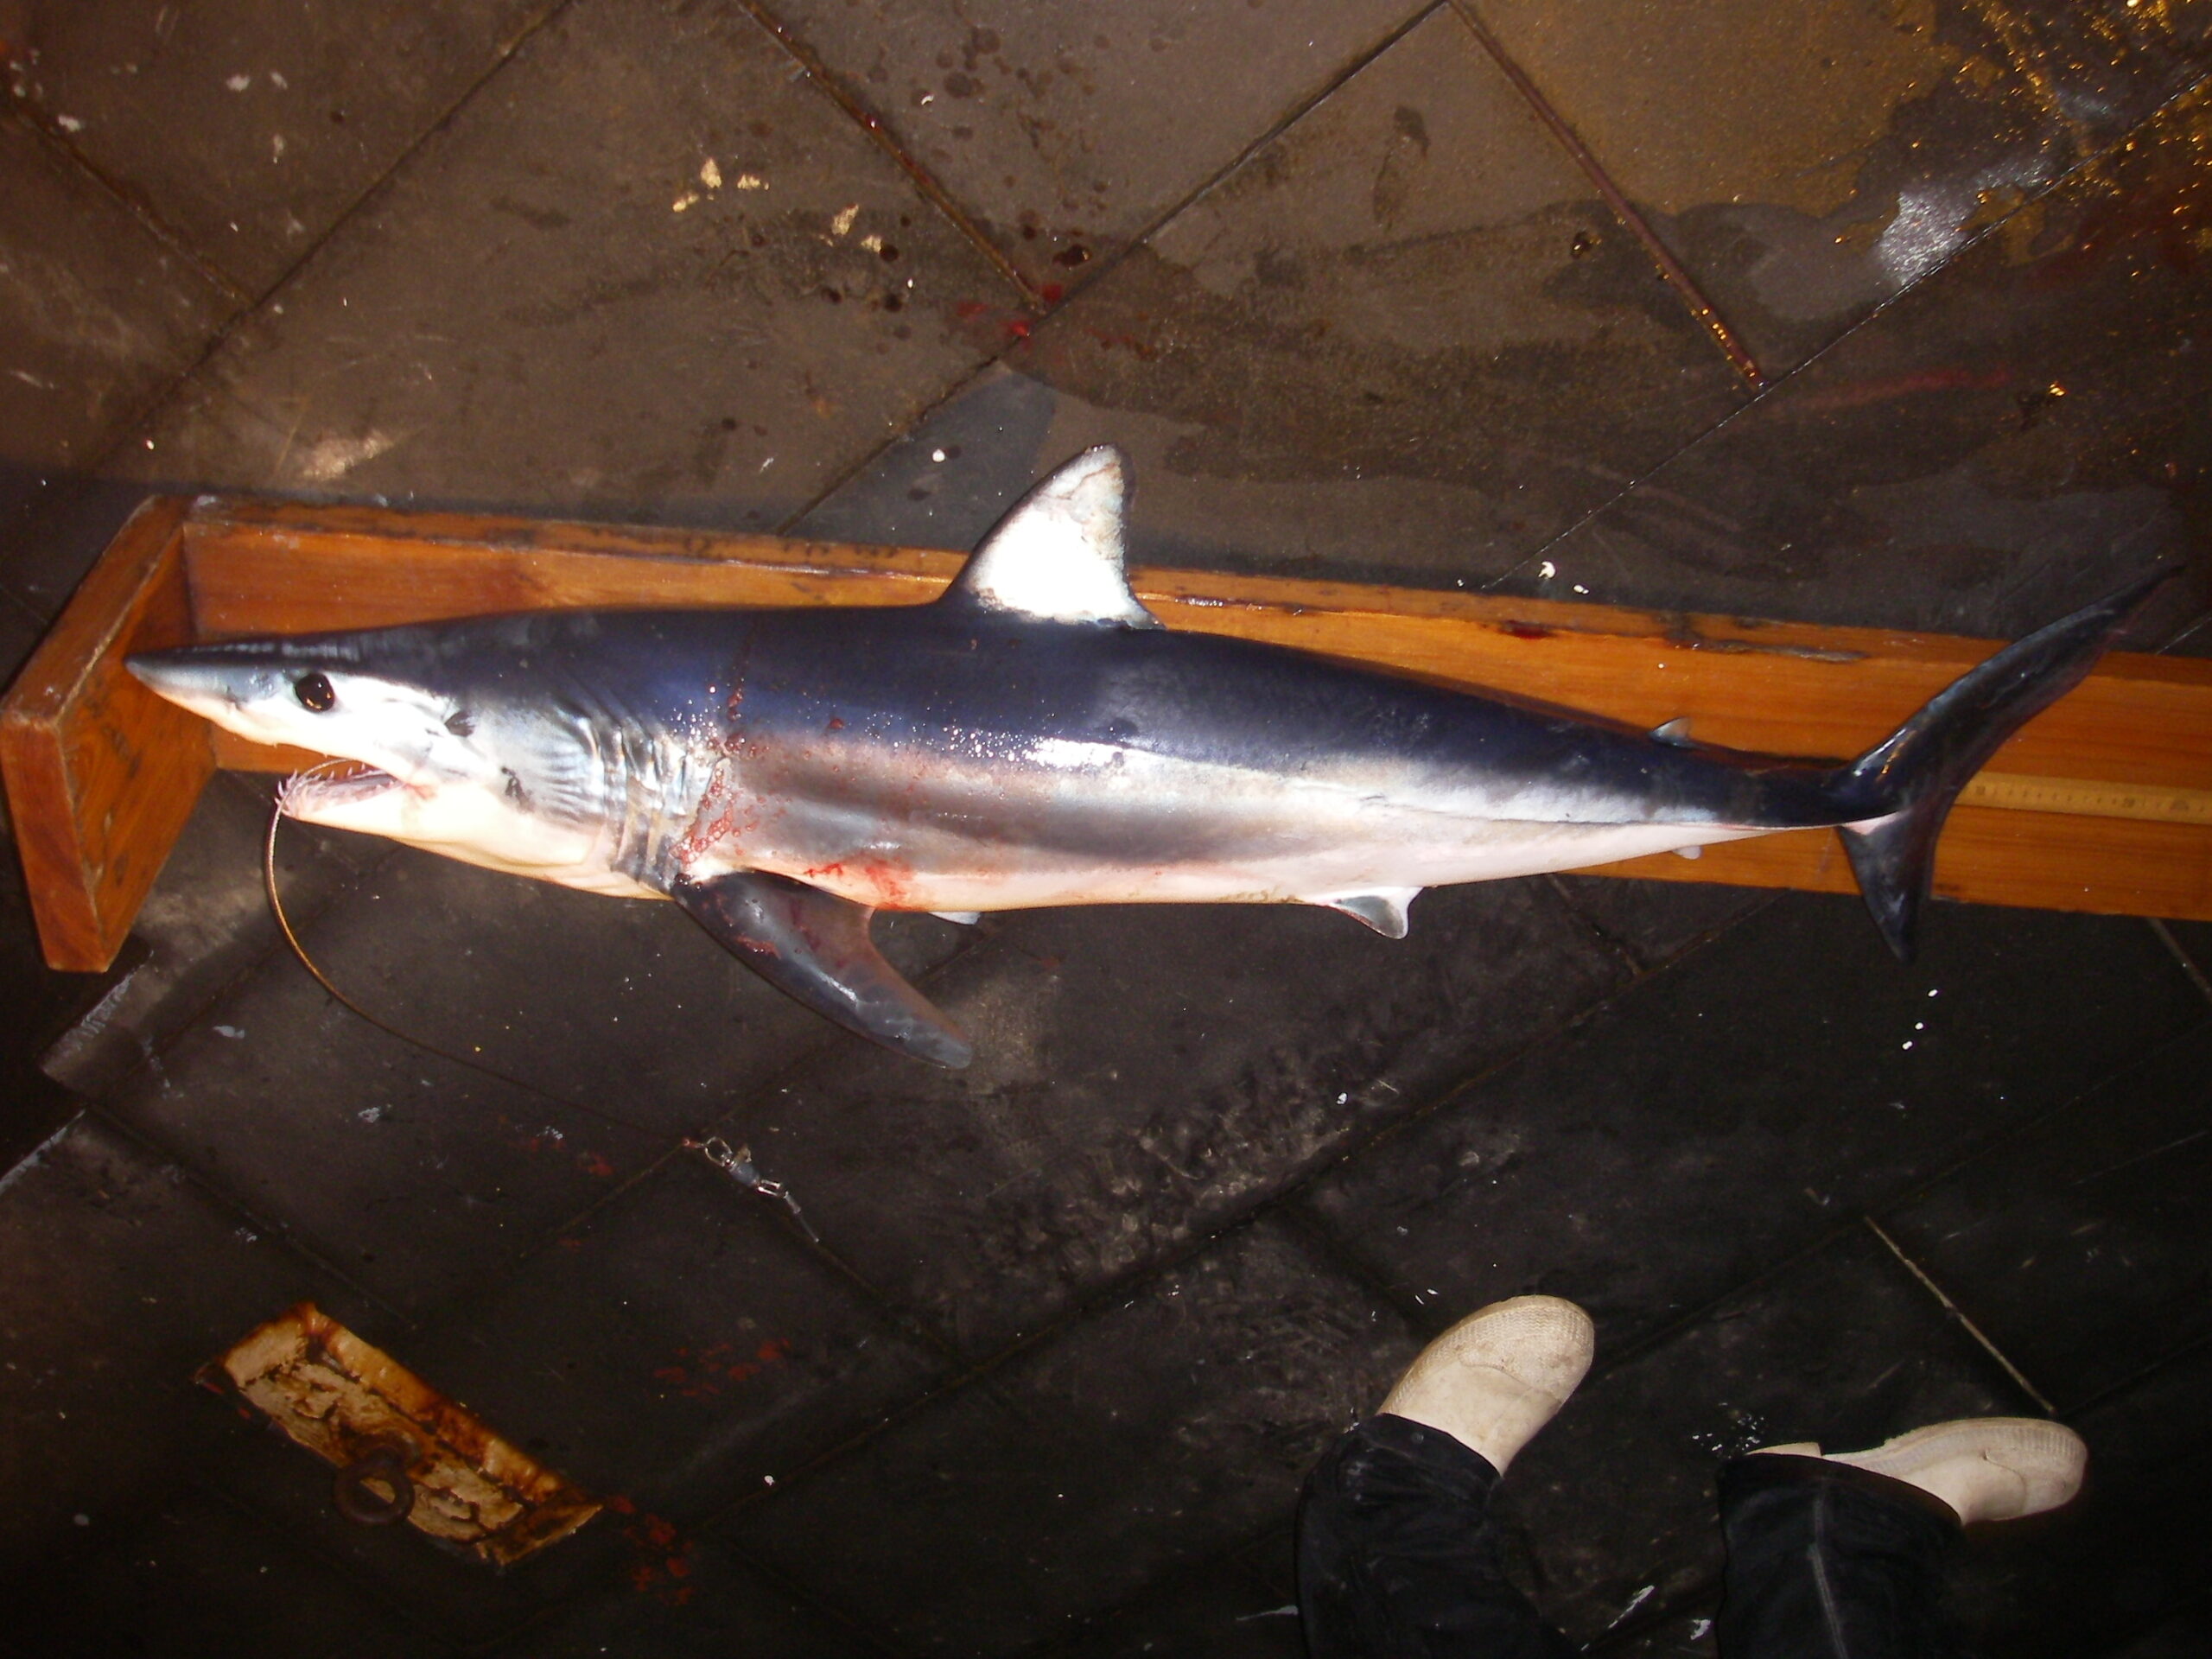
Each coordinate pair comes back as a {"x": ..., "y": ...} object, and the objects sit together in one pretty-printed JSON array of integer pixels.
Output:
[{"x": 332, "y": 787}]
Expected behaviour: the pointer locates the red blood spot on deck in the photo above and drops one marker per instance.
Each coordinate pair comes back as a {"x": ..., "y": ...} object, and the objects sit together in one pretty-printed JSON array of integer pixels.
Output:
[
  {"x": 664, "y": 1555},
  {"x": 1857, "y": 394},
  {"x": 592, "y": 1164},
  {"x": 2170, "y": 222},
  {"x": 707, "y": 1373},
  {"x": 968, "y": 310},
  {"x": 1124, "y": 342}
]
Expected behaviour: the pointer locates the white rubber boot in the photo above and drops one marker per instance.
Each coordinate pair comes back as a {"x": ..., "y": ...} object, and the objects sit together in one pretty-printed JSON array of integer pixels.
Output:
[
  {"x": 1986, "y": 1468},
  {"x": 1498, "y": 1375}
]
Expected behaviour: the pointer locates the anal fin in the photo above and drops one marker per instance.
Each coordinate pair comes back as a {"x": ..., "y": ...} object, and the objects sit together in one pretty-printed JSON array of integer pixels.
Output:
[
  {"x": 1384, "y": 910},
  {"x": 814, "y": 947}
]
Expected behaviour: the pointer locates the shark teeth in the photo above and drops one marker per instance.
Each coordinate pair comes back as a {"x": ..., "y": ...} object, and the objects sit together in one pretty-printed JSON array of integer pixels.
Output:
[{"x": 319, "y": 788}]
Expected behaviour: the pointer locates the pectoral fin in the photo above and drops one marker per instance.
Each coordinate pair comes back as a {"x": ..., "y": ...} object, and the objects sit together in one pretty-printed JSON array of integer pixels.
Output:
[{"x": 814, "y": 947}]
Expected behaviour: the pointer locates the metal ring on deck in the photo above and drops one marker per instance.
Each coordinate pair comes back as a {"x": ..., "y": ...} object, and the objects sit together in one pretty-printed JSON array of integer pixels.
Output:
[{"x": 382, "y": 1463}]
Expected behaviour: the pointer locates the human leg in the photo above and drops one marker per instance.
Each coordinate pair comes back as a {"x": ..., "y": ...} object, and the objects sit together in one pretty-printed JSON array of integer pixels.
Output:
[
  {"x": 1397, "y": 1556},
  {"x": 1842, "y": 1556}
]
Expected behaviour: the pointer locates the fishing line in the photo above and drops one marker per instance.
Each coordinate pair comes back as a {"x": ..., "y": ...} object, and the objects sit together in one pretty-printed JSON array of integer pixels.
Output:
[
  {"x": 737, "y": 1163},
  {"x": 284, "y": 924}
]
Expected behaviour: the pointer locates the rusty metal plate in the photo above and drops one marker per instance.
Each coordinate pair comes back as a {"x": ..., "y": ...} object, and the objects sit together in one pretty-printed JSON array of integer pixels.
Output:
[{"x": 403, "y": 1451}]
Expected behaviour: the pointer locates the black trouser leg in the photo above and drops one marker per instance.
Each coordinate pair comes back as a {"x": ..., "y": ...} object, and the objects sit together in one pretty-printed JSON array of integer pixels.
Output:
[
  {"x": 1827, "y": 1562},
  {"x": 1397, "y": 1558}
]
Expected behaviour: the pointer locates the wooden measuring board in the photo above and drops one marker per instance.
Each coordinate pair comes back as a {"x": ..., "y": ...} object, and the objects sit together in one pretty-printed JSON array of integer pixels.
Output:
[{"x": 2102, "y": 803}]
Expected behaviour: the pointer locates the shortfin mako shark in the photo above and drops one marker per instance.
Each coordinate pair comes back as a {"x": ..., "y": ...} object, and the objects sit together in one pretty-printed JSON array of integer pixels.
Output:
[{"x": 1033, "y": 736}]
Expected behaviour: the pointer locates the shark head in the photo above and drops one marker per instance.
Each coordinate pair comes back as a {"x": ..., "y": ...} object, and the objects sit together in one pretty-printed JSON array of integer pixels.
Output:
[{"x": 443, "y": 759}]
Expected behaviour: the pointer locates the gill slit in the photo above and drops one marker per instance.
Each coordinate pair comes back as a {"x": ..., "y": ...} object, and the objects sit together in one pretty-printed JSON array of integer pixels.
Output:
[{"x": 635, "y": 781}]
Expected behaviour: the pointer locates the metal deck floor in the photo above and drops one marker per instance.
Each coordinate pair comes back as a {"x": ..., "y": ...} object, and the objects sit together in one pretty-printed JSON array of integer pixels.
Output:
[{"x": 1846, "y": 311}]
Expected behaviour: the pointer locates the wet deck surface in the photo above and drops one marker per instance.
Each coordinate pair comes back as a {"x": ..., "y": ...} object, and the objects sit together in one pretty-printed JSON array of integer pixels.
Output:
[{"x": 1846, "y": 312}]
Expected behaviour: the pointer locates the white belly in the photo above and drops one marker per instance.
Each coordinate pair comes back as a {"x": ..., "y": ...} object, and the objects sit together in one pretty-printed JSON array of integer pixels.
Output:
[{"x": 1488, "y": 852}]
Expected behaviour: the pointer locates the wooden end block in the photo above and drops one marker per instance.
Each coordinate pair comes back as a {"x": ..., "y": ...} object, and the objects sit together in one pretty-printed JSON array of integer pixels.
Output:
[{"x": 101, "y": 773}]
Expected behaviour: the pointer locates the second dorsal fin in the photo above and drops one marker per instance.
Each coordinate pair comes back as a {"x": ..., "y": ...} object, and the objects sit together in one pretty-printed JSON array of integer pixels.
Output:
[{"x": 1057, "y": 557}]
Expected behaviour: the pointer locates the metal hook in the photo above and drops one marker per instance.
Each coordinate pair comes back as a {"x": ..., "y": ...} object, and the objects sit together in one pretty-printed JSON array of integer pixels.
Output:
[{"x": 737, "y": 1163}]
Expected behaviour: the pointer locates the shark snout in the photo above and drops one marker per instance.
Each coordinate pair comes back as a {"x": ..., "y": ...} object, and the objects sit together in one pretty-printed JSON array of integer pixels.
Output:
[
  {"x": 188, "y": 677},
  {"x": 256, "y": 699}
]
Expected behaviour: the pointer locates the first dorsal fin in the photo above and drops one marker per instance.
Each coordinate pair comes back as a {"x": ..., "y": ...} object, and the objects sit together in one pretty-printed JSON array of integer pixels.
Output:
[{"x": 1057, "y": 557}]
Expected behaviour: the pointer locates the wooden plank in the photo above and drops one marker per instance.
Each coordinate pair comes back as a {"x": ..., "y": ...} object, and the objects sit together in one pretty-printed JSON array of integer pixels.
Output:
[
  {"x": 1783, "y": 687},
  {"x": 2135, "y": 739},
  {"x": 282, "y": 568},
  {"x": 101, "y": 773},
  {"x": 2050, "y": 862},
  {"x": 2143, "y": 724}
]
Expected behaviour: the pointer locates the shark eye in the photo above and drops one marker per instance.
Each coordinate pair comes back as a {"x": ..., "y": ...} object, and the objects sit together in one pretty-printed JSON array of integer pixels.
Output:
[{"x": 314, "y": 693}]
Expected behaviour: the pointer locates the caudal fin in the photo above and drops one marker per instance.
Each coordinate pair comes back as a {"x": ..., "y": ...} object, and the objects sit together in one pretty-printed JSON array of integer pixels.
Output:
[{"x": 1907, "y": 782}]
